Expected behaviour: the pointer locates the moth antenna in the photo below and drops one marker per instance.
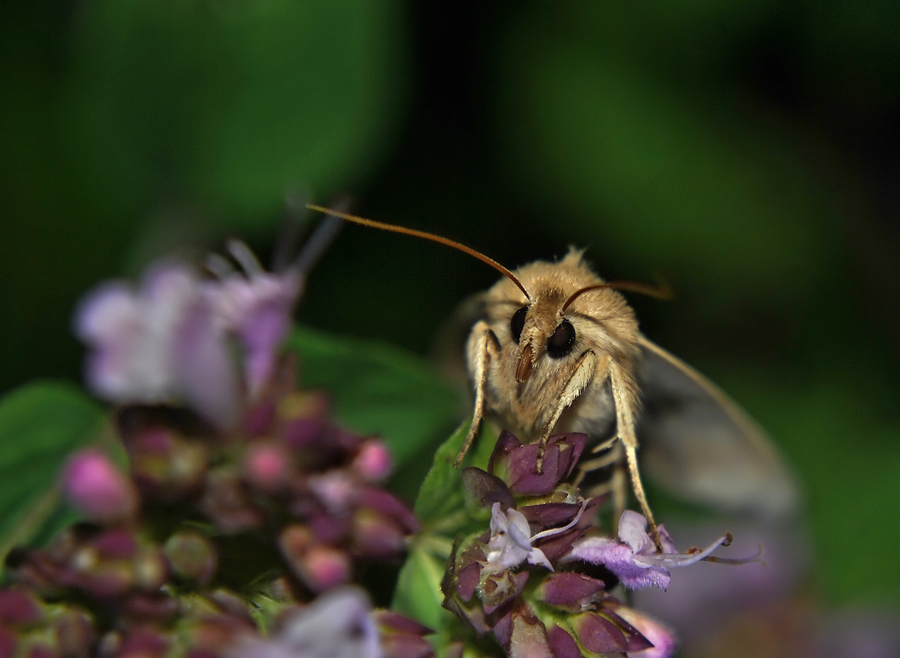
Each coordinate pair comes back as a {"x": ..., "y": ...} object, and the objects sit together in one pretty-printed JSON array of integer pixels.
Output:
[
  {"x": 659, "y": 292},
  {"x": 425, "y": 236}
]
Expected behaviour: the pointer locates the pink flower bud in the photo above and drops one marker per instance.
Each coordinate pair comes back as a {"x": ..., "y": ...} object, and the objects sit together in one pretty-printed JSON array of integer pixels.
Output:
[
  {"x": 8, "y": 642},
  {"x": 373, "y": 461},
  {"x": 377, "y": 536},
  {"x": 18, "y": 606},
  {"x": 266, "y": 467},
  {"x": 96, "y": 488},
  {"x": 337, "y": 490},
  {"x": 324, "y": 567}
]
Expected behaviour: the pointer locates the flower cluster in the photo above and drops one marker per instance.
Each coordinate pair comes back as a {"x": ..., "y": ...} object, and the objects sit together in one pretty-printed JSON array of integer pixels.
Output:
[
  {"x": 291, "y": 493},
  {"x": 242, "y": 519},
  {"x": 539, "y": 580}
]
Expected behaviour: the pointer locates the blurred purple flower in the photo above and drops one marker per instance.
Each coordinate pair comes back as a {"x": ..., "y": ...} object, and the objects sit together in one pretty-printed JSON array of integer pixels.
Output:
[
  {"x": 158, "y": 343},
  {"x": 633, "y": 557},
  {"x": 169, "y": 339},
  {"x": 339, "y": 624},
  {"x": 131, "y": 332},
  {"x": 659, "y": 635},
  {"x": 256, "y": 306}
]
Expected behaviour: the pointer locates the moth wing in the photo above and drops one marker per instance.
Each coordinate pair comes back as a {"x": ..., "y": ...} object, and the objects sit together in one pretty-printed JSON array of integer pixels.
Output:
[{"x": 700, "y": 446}]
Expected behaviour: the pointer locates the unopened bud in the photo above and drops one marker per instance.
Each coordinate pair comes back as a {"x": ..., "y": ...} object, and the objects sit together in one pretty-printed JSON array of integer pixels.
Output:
[
  {"x": 74, "y": 629},
  {"x": 165, "y": 466},
  {"x": 18, "y": 607},
  {"x": 337, "y": 490},
  {"x": 96, "y": 488},
  {"x": 266, "y": 467},
  {"x": 373, "y": 461},
  {"x": 192, "y": 556},
  {"x": 294, "y": 541},
  {"x": 324, "y": 567},
  {"x": 150, "y": 569},
  {"x": 402, "y": 637},
  {"x": 8, "y": 642},
  {"x": 376, "y": 536}
]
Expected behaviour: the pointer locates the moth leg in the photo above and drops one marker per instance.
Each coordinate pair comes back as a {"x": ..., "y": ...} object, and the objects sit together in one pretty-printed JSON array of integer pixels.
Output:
[
  {"x": 582, "y": 375},
  {"x": 606, "y": 445},
  {"x": 483, "y": 345},
  {"x": 624, "y": 397},
  {"x": 614, "y": 455},
  {"x": 619, "y": 486}
]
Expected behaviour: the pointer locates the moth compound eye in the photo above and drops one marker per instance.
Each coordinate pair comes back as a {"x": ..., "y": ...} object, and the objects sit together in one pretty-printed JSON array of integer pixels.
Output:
[
  {"x": 518, "y": 323},
  {"x": 562, "y": 340}
]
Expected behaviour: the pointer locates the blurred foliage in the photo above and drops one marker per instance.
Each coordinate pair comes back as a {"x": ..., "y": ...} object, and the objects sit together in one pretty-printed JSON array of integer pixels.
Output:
[
  {"x": 378, "y": 389},
  {"x": 745, "y": 153},
  {"x": 40, "y": 424}
]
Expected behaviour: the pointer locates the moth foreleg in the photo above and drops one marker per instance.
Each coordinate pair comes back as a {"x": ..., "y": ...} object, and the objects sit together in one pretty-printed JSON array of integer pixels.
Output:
[
  {"x": 624, "y": 398},
  {"x": 483, "y": 345},
  {"x": 613, "y": 455},
  {"x": 582, "y": 375}
]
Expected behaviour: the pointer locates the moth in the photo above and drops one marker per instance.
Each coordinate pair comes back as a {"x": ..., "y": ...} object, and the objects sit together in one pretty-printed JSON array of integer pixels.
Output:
[{"x": 554, "y": 348}]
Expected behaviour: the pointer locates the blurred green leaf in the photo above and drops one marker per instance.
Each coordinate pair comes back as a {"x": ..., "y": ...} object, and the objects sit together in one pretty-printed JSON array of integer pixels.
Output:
[
  {"x": 39, "y": 425},
  {"x": 675, "y": 178},
  {"x": 378, "y": 389},
  {"x": 230, "y": 102}
]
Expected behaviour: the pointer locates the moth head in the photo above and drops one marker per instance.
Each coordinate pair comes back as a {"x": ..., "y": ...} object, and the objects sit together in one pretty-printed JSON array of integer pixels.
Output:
[
  {"x": 541, "y": 331},
  {"x": 569, "y": 309}
]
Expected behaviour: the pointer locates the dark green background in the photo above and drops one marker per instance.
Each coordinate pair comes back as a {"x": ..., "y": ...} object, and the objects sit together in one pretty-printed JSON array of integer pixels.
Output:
[{"x": 746, "y": 154}]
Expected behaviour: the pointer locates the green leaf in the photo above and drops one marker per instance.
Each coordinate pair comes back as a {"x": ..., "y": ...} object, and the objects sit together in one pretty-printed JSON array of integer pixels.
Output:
[
  {"x": 441, "y": 497},
  {"x": 39, "y": 425},
  {"x": 441, "y": 508},
  {"x": 441, "y": 493},
  {"x": 418, "y": 594},
  {"x": 378, "y": 389}
]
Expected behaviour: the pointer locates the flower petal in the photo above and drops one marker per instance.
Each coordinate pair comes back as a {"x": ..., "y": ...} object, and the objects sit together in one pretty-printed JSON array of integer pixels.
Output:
[{"x": 620, "y": 559}]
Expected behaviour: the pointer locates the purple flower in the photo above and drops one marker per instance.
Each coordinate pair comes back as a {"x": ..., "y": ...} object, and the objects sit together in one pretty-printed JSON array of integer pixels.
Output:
[
  {"x": 158, "y": 343},
  {"x": 660, "y": 636},
  {"x": 510, "y": 542},
  {"x": 171, "y": 338},
  {"x": 256, "y": 306},
  {"x": 633, "y": 557}
]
